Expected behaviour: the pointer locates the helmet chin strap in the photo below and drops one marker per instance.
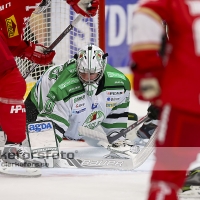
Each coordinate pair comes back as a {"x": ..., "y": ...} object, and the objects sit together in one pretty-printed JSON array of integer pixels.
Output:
[{"x": 90, "y": 89}]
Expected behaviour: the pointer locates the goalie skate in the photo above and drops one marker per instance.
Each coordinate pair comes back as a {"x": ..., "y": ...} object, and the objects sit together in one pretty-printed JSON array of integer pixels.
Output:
[
  {"x": 192, "y": 192},
  {"x": 15, "y": 154},
  {"x": 191, "y": 188}
]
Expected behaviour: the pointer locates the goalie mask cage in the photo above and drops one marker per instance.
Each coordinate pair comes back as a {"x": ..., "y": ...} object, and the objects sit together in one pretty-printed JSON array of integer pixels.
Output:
[{"x": 44, "y": 28}]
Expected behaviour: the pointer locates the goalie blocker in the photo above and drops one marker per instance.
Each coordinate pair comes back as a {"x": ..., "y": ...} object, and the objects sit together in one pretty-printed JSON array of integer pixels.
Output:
[{"x": 42, "y": 142}]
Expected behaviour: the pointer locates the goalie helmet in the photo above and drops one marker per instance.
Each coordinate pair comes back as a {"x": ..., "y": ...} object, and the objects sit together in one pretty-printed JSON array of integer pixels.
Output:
[
  {"x": 91, "y": 63},
  {"x": 42, "y": 6}
]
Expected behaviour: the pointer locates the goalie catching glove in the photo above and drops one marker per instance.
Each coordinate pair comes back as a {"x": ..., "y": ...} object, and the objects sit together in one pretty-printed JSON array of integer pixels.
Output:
[
  {"x": 87, "y": 8},
  {"x": 34, "y": 53}
]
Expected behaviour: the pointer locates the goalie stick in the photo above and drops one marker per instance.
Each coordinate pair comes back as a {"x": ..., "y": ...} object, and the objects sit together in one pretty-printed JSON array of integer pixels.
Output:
[
  {"x": 98, "y": 163},
  {"x": 100, "y": 136},
  {"x": 55, "y": 43},
  {"x": 111, "y": 139},
  {"x": 137, "y": 160},
  {"x": 141, "y": 157}
]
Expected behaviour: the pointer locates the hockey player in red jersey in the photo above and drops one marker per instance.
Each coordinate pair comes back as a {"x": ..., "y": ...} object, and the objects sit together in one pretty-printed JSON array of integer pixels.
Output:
[
  {"x": 13, "y": 17},
  {"x": 169, "y": 79}
]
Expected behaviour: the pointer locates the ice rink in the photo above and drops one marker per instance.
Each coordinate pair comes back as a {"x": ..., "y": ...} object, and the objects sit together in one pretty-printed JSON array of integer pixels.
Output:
[
  {"x": 80, "y": 184},
  {"x": 77, "y": 185},
  {"x": 83, "y": 184}
]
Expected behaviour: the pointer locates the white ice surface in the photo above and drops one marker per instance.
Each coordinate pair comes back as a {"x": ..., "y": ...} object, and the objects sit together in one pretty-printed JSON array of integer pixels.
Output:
[
  {"x": 82, "y": 184},
  {"x": 79, "y": 184}
]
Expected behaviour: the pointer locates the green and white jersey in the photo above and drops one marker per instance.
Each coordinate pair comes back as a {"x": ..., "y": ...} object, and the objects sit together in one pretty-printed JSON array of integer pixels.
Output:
[{"x": 60, "y": 96}]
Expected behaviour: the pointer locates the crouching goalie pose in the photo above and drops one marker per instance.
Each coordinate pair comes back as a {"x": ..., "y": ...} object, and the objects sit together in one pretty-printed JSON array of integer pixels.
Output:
[{"x": 85, "y": 91}]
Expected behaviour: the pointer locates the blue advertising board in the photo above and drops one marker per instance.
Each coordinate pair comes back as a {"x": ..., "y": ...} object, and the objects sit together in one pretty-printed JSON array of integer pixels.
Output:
[{"x": 118, "y": 16}]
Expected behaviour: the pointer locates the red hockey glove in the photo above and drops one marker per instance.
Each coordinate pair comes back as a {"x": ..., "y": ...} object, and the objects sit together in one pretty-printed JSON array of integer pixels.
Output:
[
  {"x": 148, "y": 72},
  {"x": 87, "y": 8},
  {"x": 147, "y": 84},
  {"x": 34, "y": 52}
]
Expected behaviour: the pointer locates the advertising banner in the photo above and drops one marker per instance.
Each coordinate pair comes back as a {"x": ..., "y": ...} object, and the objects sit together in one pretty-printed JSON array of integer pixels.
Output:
[{"x": 118, "y": 16}]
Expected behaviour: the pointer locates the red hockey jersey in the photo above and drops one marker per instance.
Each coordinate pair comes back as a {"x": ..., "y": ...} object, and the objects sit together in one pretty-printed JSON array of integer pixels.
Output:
[
  {"x": 13, "y": 16},
  {"x": 181, "y": 82}
]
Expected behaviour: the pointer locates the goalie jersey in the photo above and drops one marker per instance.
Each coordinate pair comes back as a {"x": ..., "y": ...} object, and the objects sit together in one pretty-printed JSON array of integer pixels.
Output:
[{"x": 59, "y": 96}]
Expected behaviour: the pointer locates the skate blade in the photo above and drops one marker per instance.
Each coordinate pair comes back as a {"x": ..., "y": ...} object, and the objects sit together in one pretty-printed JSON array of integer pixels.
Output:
[{"x": 20, "y": 172}]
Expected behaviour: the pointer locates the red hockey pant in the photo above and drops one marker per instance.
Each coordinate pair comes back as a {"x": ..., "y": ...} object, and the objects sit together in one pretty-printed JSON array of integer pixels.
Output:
[
  {"x": 12, "y": 90},
  {"x": 177, "y": 146}
]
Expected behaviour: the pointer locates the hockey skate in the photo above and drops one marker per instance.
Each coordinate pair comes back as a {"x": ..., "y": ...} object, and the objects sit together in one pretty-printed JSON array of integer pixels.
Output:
[
  {"x": 17, "y": 171},
  {"x": 191, "y": 188},
  {"x": 192, "y": 192},
  {"x": 16, "y": 154}
]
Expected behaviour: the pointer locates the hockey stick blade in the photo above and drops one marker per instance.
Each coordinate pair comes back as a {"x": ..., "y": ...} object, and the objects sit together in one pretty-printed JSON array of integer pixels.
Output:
[
  {"x": 56, "y": 42},
  {"x": 142, "y": 156},
  {"x": 100, "y": 136}
]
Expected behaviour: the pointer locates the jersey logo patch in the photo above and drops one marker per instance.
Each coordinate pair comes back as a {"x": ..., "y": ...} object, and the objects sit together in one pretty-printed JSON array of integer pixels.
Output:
[
  {"x": 78, "y": 105},
  {"x": 11, "y": 25},
  {"x": 78, "y": 111},
  {"x": 38, "y": 127},
  {"x": 68, "y": 83},
  {"x": 79, "y": 98},
  {"x": 94, "y": 119},
  {"x": 116, "y": 75},
  {"x": 112, "y": 99},
  {"x": 115, "y": 93},
  {"x": 110, "y": 104},
  {"x": 94, "y": 105}
]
